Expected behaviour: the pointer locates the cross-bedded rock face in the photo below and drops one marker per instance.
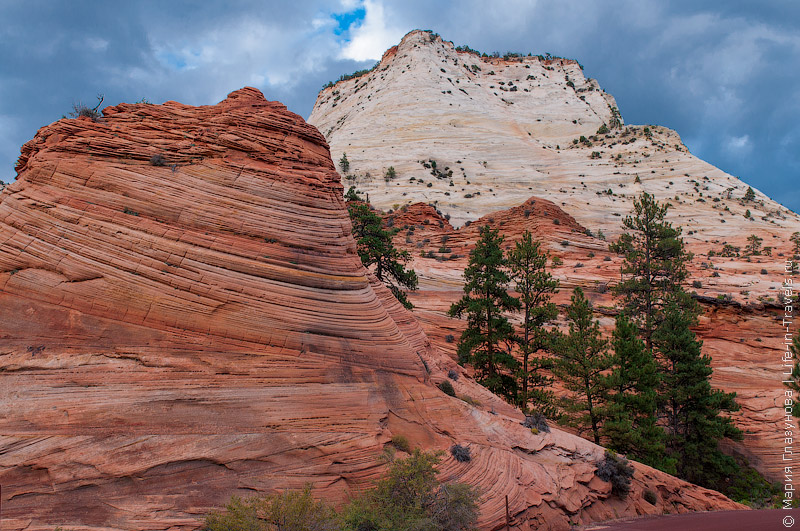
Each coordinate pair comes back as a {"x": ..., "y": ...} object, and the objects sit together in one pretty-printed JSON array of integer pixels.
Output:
[
  {"x": 183, "y": 317},
  {"x": 477, "y": 136}
]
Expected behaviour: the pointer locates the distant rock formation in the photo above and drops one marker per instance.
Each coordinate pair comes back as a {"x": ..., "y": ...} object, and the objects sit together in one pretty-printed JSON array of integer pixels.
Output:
[
  {"x": 504, "y": 129},
  {"x": 474, "y": 136},
  {"x": 183, "y": 317}
]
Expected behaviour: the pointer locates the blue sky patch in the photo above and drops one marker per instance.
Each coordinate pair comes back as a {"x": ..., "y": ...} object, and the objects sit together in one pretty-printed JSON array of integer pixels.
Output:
[{"x": 345, "y": 20}]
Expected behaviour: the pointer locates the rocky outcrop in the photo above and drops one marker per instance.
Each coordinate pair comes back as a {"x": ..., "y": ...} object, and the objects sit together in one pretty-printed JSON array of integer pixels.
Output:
[
  {"x": 738, "y": 327},
  {"x": 501, "y": 130},
  {"x": 183, "y": 317}
]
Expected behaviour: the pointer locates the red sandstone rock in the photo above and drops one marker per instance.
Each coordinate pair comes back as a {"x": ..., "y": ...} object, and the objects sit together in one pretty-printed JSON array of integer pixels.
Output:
[
  {"x": 740, "y": 334},
  {"x": 172, "y": 335}
]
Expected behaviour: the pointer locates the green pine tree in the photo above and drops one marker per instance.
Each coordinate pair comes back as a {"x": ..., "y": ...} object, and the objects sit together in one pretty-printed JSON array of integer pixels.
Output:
[
  {"x": 534, "y": 284},
  {"x": 375, "y": 247},
  {"x": 691, "y": 407},
  {"x": 654, "y": 269},
  {"x": 753, "y": 247},
  {"x": 344, "y": 164},
  {"x": 487, "y": 342},
  {"x": 750, "y": 194},
  {"x": 631, "y": 425},
  {"x": 795, "y": 239},
  {"x": 581, "y": 359}
]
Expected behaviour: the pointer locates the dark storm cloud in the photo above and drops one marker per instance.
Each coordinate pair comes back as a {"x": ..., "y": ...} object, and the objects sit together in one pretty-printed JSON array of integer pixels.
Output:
[
  {"x": 53, "y": 54},
  {"x": 723, "y": 74}
]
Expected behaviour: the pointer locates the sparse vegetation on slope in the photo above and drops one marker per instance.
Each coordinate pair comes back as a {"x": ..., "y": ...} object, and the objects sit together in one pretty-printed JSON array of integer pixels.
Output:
[{"x": 409, "y": 496}]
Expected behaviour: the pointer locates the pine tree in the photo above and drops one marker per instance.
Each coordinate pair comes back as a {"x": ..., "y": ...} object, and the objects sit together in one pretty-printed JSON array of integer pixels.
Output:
[
  {"x": 795, "y": 239},
  {"x": 486, "y": 343},
  {"x": 344, "y": 164},
  {"x": 534, "y": 284},
  {"x": 753, "y": 247},
  {"x": 750, "y": 194},
  {"x": 691, "y": 407},
  {"x": 654, "y": 269},
  {"x": 375, "y": 247},
  {"x": 581, "y": 359},
  {"x": 631, "y": 425}
]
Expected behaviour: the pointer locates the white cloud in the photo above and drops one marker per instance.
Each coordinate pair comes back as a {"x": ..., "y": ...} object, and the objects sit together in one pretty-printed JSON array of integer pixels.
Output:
[
  {"x": 738, "y": 145},
  {"x": 372, "y": 37},
  {"x": 321, "y": 22},
  {"x": 253, "y": 51}
]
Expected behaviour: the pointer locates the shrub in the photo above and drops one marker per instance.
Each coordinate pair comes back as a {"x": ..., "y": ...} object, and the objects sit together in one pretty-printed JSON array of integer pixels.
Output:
[
  {"x": 606, "y": 258},
  {"x": 764, "y": 271},
  {"x": 401, "y": 443},
  {"x": 410, "y": 496},
  {"x": 157, "y": 160},
  {"x": 590, "y": 255},
  {"x": 697, "y": 284},
  {"x": 447, "y": 388},
  {"x": 81, "y": 110},
  {"x": 292, "y": 509},
  {"x": 449, "y": 338},
  {"x": 536, "y": 421},
  {"x": 615, "y": 470},
  {"x": 469, "y": 400},
  {"x": 602, "y": 130},
  {"x": 556, "y": 221},
  {"x": 556, "y": 261},
  {"x": 390, "y": 173},
  {"x": 452, "y": 374},
  {"x": 460, "y": 453},
  {"x": 650, "y": 497}
]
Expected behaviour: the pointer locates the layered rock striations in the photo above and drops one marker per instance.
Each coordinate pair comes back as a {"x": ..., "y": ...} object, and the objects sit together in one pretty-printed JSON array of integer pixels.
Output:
[
  {"x": 476, "y": 137},
  {"x": 183, "y": 317},
  {"x": 504, "y": 129}
]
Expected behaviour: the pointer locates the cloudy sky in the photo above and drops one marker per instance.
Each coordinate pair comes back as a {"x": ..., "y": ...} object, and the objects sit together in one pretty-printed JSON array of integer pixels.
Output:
[{"x": 725, "y": 74}]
